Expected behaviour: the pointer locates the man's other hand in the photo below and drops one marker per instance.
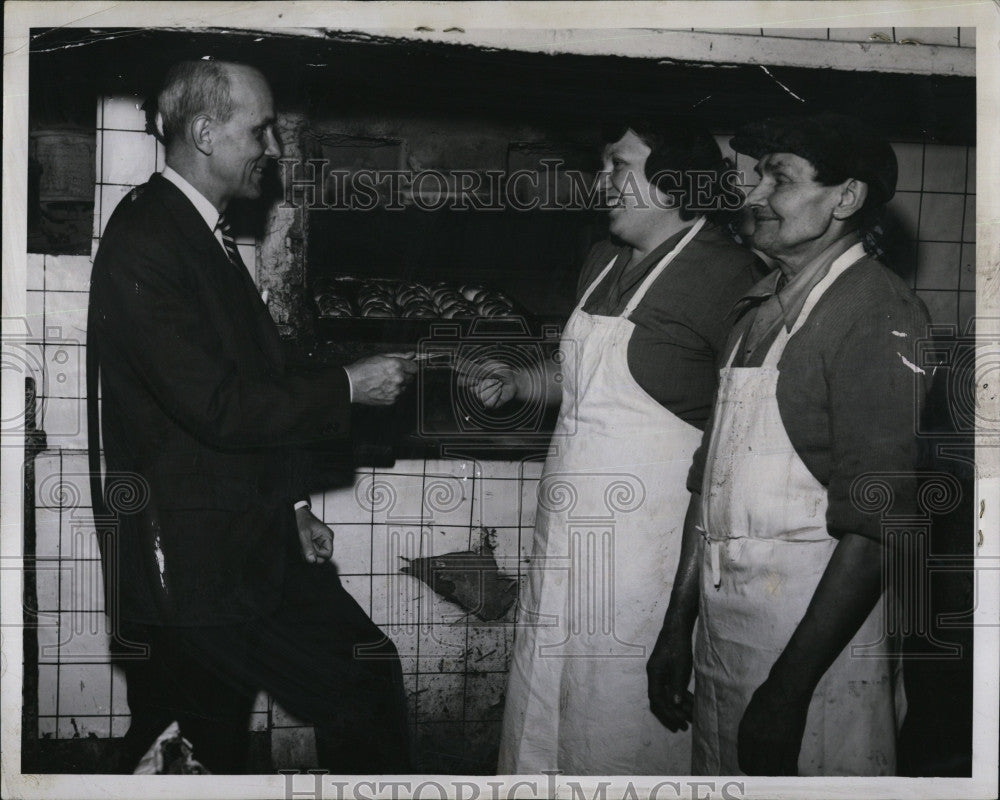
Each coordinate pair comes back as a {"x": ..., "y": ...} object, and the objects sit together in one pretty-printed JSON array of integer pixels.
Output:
[
  {"x": 379, "y": 380},
  {"x": 315, "y": 537}
]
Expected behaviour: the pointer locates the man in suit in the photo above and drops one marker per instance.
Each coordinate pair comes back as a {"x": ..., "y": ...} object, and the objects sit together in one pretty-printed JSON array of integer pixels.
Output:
[{"x": 217, "y": 577}]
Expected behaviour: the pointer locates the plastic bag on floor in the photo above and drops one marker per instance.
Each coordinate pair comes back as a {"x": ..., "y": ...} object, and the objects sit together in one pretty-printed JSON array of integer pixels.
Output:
[{"x": 171, "y": 754}]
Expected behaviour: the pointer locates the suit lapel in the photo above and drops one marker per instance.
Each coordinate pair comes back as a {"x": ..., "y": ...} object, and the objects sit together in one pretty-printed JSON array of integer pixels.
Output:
[{"x": 233, "y": 281}]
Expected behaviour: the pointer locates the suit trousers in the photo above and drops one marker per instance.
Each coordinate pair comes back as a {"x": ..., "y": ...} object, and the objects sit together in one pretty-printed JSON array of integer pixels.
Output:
[{"x": 319, "y": 655}]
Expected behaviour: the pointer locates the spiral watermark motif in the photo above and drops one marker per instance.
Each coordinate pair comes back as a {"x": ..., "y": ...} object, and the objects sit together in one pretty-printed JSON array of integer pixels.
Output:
[
  {"x": 374, "y": 494},
  {"x": 625, "y": 495},
  {"x": 556, "y": 494},
  {"x": 443, "y": 495}
]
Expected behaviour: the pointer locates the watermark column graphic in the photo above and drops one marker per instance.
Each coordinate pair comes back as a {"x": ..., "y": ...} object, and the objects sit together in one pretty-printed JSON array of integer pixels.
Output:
[
  {"x": 409, "y": 604},
  {"x": 909, "y": 563},
  {"x": 91, "y": 603},
  {"x": 589, "y": 628}
]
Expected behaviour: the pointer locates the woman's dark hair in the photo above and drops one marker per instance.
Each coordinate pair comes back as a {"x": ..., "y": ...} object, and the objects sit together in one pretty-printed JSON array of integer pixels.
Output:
[{"x": 685, "y": 163}]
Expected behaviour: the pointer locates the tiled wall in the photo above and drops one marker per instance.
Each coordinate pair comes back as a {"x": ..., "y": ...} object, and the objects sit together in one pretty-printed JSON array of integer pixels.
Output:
[
  {"x": 455, "y": 664},
  {"x": 947, "y": 37}
]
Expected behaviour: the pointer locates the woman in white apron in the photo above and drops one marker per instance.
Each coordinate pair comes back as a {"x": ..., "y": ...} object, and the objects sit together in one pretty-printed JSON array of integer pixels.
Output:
[
  {"x": 782, "y": 564},
  {"x": 767, "y": 550},
  {"x": 610, "y": 510}
]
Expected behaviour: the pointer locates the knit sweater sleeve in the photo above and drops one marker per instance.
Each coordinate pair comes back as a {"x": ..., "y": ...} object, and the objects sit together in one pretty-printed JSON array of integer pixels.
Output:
[{"x": 875, "y": 391}]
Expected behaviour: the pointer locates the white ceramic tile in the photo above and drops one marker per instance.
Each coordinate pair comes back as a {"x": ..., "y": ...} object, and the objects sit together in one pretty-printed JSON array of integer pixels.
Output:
[
  {"x": 75, "y": 489},
  {"x": 529, "y": 503},
  {"x": 860, "y": 34},
  {"x": 67, "y": 273},
  {"x": 65, "y": 317},
  {"x": 448, "y": 499},
  {"x": 393, "y": 544},
  {"x": 47, "y": 688},
  {"x": 942, "y": 306},
  {"x": 941, "y": 36},
  {"x": 282, "y": 719},
  {"x": 397, "y": 497},
  {"x": 484, "y": 696},
  {"x": 731, "y": 31},
  {"x": 797, "y": 33},
  {"x": 904, "y": 211},
  {"x": 970, "y": 179},
  {"x": 293, "y": 748},
  {"x": 440, "y": 697},
  {"x": 65, "y": 422},
  {"x": 65, "y": 370},
  {"x": 84, "y": 689},
  {"x": 124, "y": 112},
  {"x": 120, "y": 725},
  {"x": 938, "y": 265},
  {"x": 119, "y": 692},
  {"x": 967, "y": 281},
  {"x": 444, "y": 638},
  {"x": 352, "y": 549},
  {"x": 909, "y": 160},
  {"x": 359, "y": 587},
  {"x": 35, "y": 314},
  {"x": 397, "y": 602},
  {"x": 969, "y": 228},
  {"x": 966, "y": 311},
  {"x": 259, "y": 721},
  {"x": 944, "y": 168},
  {"x": 48, "y": 466},
  {"x": 349, "y": 504},
  {"x": 35, "y": 271},
  {"x": 111, "y": 196},
  {"x": 941, "y": 217},
  {"x": 497, "y": 503},
  {"x": 78, "y": 539},
  {"x": 489, "y": 646},
  {"x": 47, "y": 532},
  {"x": 513, "y": 546},
  {"x": 967, "y": 37},
  {"x": 84, "y": 727},
  {"x": 82, "y": 586},
  {"x": 128, "y": 157},
  {"x": 47, "y": 580}
]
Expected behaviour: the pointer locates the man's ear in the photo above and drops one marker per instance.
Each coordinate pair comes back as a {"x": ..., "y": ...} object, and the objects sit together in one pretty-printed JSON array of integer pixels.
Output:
[
  {"x": 852, "y": 197},
  {"x": 201, "y": 133}
]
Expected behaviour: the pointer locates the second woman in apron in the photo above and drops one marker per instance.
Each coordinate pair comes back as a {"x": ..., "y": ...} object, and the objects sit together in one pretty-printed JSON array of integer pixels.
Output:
[{"x": 637, "y": 381}]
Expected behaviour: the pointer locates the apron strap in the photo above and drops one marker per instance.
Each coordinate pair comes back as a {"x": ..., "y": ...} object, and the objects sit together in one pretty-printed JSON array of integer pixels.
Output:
[
  {"x": 848, "y": 258},
  {"x": 596, "y": 281},
  {"x": 658, "y": 269}
]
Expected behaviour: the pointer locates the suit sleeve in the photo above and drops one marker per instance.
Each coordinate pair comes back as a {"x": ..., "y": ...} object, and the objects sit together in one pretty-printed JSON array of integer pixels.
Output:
[
  {"x": 152, "y": 323},
  {"x": 875, "y": 393}
]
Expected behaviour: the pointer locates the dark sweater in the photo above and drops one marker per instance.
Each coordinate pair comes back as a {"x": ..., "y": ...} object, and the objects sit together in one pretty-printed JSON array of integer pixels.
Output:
[{"x": 850, "y": 391}]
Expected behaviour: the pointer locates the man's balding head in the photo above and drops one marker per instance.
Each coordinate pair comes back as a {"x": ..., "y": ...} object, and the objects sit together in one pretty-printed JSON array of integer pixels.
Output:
[{"x": 197, "y": 87}]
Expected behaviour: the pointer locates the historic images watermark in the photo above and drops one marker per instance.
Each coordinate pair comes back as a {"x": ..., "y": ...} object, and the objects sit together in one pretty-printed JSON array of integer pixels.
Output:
[
  {"x": 314, "y": 184},
  {"x": 316, "y": 785}
]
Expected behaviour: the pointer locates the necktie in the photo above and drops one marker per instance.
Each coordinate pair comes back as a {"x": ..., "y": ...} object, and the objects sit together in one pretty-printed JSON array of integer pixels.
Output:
[{"x": 229, "y": 242}]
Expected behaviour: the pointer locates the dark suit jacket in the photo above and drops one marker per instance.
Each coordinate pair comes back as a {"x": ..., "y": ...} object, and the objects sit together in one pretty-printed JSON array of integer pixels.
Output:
[{"x": 200, "y": 404}]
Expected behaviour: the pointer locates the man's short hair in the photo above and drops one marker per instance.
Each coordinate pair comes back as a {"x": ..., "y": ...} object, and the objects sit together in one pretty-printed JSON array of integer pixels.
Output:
[
  {"x": 678, "y": 147},
  {"x": 191, "y": 88}
]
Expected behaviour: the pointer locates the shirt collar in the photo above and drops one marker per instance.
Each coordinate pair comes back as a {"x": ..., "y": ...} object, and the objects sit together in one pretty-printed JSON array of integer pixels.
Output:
[
  {"x": 204, "y": 207},
  {"x": 791, "y": 295}
]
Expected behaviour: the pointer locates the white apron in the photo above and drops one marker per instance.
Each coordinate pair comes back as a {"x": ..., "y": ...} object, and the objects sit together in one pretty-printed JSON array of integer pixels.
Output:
[
  {"x": 612, "y": 501},
  {"x": 767, "y": 547}
]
